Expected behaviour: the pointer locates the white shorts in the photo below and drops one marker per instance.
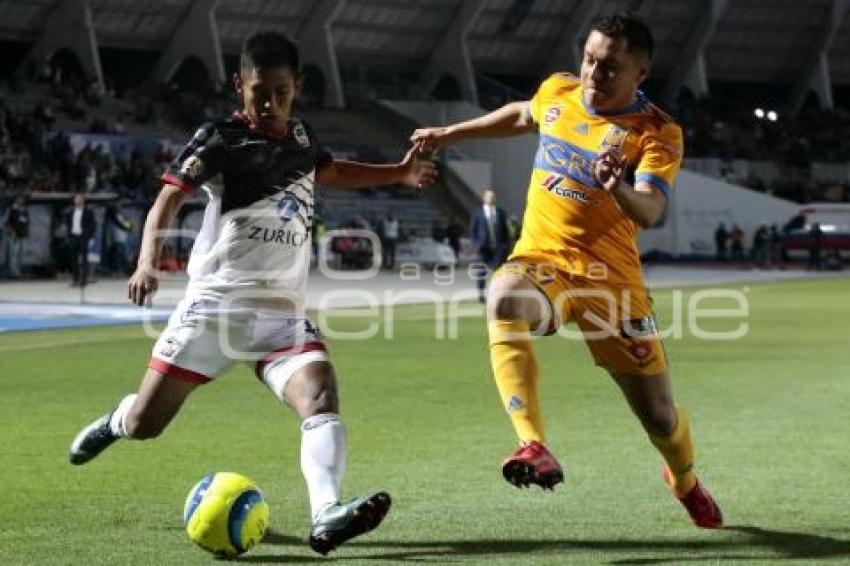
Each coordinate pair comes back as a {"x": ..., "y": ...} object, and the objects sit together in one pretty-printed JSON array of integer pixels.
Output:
[{"x": 203, "y": 339}]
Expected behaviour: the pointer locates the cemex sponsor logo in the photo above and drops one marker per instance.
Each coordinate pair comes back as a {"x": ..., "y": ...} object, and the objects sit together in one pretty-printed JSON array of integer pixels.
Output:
[{"x": 552, "y": 183}]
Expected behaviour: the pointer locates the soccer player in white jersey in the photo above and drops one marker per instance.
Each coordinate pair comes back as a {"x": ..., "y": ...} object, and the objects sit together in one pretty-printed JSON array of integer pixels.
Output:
[{"x": 247, "y": 275}]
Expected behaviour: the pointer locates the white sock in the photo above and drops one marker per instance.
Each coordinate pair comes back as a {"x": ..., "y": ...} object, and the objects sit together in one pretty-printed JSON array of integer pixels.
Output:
[
  {"x": 323, "y": 451},
  {"x": 116, "y": 423}
]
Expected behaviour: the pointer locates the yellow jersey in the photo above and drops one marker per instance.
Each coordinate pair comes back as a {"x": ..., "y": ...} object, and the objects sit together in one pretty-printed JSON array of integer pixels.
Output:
[{"x": 570, "y": 221}]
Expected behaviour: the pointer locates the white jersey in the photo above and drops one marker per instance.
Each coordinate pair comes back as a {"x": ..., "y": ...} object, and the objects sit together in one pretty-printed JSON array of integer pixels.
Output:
[{"x": 254, "y": 241}]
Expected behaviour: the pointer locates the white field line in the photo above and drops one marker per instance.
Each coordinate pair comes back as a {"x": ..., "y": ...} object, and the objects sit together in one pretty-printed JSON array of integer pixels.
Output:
[{"x": 60, "y": 343}]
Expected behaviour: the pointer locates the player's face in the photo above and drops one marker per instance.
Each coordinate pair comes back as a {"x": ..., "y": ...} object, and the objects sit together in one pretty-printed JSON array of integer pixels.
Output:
[
  {"x": 610, "y": 73},
  {"x": 267, "y": 95}
]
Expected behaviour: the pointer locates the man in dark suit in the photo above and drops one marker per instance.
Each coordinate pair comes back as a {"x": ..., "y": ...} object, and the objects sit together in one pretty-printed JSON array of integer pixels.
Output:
[
  {"x": 81, "y": 225},
  {"x": 490, "y": 238}
]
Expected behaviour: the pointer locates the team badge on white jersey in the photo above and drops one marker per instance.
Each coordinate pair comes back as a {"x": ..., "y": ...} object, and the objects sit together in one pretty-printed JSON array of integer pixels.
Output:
[
  {"x": 287, "y": 207},
  {"x": 300, "y": 135}
]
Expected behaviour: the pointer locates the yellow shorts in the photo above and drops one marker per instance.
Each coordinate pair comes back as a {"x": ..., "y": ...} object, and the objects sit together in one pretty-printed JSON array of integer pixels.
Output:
[{"x": 616, "y": 323}]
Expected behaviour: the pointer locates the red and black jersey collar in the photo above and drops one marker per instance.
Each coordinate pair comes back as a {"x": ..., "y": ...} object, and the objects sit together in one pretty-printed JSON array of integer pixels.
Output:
[{"x": 243, "y": 118}]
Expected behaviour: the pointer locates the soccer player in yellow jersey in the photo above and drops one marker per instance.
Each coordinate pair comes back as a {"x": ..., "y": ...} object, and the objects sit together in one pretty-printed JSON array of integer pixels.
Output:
[{"x": 605, "y": 165}]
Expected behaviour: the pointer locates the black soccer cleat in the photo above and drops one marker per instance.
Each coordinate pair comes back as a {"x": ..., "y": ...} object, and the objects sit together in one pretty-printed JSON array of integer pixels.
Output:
[
  {"x": 92, "y": 440},
  {"x": 344, "y": 521}
]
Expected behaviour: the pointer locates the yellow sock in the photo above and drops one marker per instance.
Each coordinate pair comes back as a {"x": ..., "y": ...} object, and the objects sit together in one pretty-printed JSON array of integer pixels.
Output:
[
  {"x": 678, "y": 452},
  {"x": 516, "y": 372}
]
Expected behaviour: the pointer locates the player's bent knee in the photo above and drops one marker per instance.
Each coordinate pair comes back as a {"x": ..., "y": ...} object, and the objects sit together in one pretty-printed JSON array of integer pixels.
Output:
[
  {"x": 321, "y": 400},
  {"x": 515, "y": 299},
  {"x": 326, "y": 401},
  {"x": 503, "y": 305},
  {"x": 500, "y": 306},
  {"x": 313, "y": 390}
]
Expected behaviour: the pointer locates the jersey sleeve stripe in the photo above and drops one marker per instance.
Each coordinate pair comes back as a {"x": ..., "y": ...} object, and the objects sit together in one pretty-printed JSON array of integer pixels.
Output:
[
  {"x": 172, "y": 179},
  {"x": 655, "y": 181}
]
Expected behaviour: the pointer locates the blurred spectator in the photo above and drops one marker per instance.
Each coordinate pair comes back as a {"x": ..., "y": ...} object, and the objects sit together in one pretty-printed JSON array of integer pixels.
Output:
[
  {"x": 60, "y": 245},
  {"x": 438, "y": 231},
  {"x": 94, "y": 93},
  {"x": 715, "y": 128},
  {"x": 353, "y": 251},
  {"x": 761, "y": 246},
  {"x": 736, "y": 238},
  {"x": 119, "y": 127},
  {"x": 389, "y": 231},
  {"x": 514, "y": 230},
  {"x": 85, "y": 174},
  {"x": 318, "y": 230},
  {"x": 99, "y": 125},
  {"x": 163, "y": 155},
  {"x": 341, "y": 246},
  {"x": 727, "y": 172},
  {"x": 834, "y": 192},
  {"x": 798, "y": 156},
  {"x": 815, "y": 247},
  {"x": 17, "y": 224},
  {"x": 721, "y": 238},
  {"x": 170, "y": 259},
  {"x": 797, "y": 222},
  {"x": 81, "y": 226},
  {"x": 17, "y": 165},
  {"x": 116, "y": 234},
  {"x": 777, "y": 254},
  {"x": 44, "y": 114},
  {"x": 833, "y": 260},
  {"x": 73, "y": 105},
  {"x": 490, "y": 237},
  {"x": 33, "y": 154}
]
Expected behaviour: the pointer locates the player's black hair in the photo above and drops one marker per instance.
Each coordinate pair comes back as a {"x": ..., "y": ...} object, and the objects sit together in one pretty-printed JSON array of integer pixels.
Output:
[
  {"x": 627, "y": 26},
  {"x": 269, "y": 49}
]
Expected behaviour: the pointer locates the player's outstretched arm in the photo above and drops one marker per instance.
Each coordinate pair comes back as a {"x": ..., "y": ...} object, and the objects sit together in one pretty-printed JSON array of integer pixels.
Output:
[
  {"x": 412, "y": 171},
  {"x": 143, "y": 283},
  {"x": 642, "y": 203},
  {"x": 511, "y": 119}
]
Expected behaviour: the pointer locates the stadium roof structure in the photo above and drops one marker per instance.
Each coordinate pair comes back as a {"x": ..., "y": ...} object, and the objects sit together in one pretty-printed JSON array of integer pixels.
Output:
[{"x": 794, "y": 42}]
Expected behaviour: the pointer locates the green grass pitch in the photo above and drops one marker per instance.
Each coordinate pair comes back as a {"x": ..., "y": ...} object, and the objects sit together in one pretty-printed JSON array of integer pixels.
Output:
[{"x": 771, "y": 413}]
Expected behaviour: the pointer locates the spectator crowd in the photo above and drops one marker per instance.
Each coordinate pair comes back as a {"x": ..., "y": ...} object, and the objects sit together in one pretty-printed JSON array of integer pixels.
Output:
[{"x": 792, "y": 144}]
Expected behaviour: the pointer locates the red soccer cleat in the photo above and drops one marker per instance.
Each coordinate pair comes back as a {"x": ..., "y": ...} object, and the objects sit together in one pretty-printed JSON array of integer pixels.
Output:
[
  {"x": 532, "y": 463},
  {"x": 702, "y": 508}
]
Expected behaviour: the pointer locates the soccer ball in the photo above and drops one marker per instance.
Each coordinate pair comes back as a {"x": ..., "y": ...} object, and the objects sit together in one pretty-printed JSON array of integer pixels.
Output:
[{"x": 226, "y": 514}]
